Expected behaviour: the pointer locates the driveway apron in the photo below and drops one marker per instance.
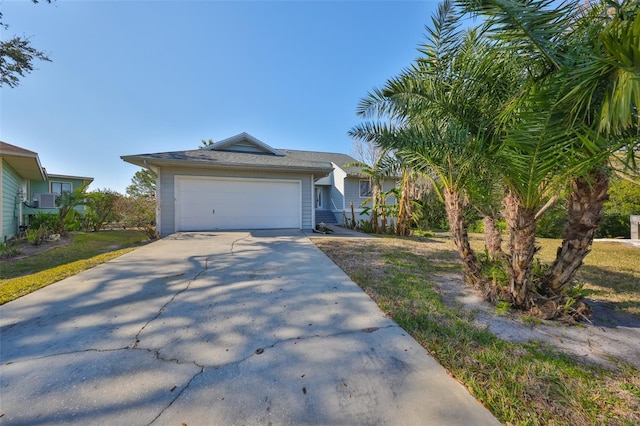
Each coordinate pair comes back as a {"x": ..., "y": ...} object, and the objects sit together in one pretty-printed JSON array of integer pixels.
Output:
[{"x": 228, "y": 328}]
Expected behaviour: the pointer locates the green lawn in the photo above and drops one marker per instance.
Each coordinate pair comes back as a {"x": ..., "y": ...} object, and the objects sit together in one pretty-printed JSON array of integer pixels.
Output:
[
  {"x": 86, "y": 250},
  {"x": 610, "y": 273}
]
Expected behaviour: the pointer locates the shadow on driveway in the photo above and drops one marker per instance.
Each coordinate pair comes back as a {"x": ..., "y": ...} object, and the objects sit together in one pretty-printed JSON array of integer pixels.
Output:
[{"x": 218, "y": 328}]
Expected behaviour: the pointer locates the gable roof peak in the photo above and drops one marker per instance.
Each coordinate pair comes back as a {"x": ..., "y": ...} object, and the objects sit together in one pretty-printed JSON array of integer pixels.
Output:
[{"x": 244, "y": 142}]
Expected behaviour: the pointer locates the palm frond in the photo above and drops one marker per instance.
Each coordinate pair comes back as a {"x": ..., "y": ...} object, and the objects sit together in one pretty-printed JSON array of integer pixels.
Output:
[{"x": 533, "y": 28}]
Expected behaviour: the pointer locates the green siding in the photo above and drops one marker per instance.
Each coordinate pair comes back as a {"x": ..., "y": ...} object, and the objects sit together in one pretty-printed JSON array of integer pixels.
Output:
[
  {"x": 37, "y": 187},
  {"x": 11, "y": 184},
  {"x": 44, "y": 187}
]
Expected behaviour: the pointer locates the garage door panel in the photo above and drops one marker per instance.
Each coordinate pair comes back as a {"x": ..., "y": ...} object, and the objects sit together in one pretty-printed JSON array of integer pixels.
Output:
[{"x": 228, "y": 203}]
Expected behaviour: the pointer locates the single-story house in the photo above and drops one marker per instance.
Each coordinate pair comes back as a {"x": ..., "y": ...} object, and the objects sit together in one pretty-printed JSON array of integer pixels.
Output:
[
  {"x": 243, "y": 183},
  {"x": 27, "y": 188}
]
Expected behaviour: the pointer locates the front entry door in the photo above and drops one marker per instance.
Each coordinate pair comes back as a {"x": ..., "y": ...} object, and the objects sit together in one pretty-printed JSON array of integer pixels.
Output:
[{"x": 318, "y": 198}]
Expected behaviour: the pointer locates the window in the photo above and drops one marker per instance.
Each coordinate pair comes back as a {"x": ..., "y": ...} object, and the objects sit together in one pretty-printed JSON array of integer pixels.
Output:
[
  {"x": 60, "y": 187},
  {"x": 365, "y": 189}
]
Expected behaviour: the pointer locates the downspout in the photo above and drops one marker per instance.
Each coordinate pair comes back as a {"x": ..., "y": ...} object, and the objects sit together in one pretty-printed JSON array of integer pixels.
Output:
[{"x": 313, "y": 201}]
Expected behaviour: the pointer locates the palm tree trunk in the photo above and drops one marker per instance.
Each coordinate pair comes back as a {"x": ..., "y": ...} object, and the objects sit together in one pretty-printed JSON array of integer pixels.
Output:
[
  {"x": 522, "y": 237},
  {"x": 492, "y": 236},
  {"x": 404, "y": 206},
  {"x": 374, "y": 209},
  {"x": 454, "y": 205},
  {"x": 586, "y": 203},
  {"x": 401, "y": 225}
]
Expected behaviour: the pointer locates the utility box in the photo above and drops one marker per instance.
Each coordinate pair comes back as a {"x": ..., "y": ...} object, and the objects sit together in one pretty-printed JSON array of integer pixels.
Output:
[{"x": 635, "y": 227}]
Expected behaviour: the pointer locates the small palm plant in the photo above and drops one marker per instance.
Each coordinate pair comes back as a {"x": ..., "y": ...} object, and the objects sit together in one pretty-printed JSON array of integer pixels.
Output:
[{"x": 66, "y": 203}]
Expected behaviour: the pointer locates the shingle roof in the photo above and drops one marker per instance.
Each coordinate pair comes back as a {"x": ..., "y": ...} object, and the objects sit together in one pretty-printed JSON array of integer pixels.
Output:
[
  {"x": 229, "y": 159},
  {"x": 329, "y": 157},
  {"x": 245, "y": 151}
]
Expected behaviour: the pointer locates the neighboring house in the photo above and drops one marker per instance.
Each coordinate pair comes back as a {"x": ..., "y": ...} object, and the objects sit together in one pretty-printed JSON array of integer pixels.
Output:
[
  {"x": 27, "y": 188},
  {"x": 243, "y": 183}
]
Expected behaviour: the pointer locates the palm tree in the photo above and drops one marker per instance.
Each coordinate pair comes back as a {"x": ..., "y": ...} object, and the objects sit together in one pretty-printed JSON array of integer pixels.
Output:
[
  {"x": 66, "y": 203},
  {"x": 469, "y": 103},
  {"x": 604, "y": 99},
  {"x": 404, "y": 104},
  {"x": 441, "y": 153},
  {"x": 587, "y": 57},
  {"x": 435, "y": 117}
]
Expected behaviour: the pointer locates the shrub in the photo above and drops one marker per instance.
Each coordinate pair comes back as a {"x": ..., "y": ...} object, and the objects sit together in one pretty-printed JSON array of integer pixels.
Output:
[
  {"x": 476, "y": 226},
  {"x": 9, "y": 250},
  {"x": 430, "y": 213},
  {"x": 136, "y": 212},
  {"x": 37, "y": 236},
  {"x": 150, "y": 231},
  {"x": 48, "y": 220},
  {"x": 366, "y": 226},
  {"x": 614, "y": 225},
  {"x": 74, "y": 222}
]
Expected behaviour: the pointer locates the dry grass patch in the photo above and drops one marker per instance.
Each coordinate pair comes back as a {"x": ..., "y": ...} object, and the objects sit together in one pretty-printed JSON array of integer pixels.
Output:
[{"x": 416, "y": 282}]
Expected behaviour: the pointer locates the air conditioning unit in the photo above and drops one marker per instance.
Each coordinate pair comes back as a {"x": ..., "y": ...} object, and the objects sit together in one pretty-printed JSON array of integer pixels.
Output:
[{"x": 46, "y": 201}]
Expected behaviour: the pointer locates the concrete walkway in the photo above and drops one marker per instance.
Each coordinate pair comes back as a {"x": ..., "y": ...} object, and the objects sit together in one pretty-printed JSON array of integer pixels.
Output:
[
  {"x": 218, "y": 329},
  {"x": 339, "y": 231}
]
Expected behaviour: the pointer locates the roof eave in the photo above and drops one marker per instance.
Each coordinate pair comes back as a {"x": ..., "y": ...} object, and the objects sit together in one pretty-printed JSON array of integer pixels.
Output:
[
  {"x": 28, "y": 166},
  {"x": 84, "y": 178},
  {"x": 145, "y": 162}
]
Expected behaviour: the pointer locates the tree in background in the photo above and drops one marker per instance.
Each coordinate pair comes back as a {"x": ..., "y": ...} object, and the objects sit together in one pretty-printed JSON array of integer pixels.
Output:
[
  {"x": 137, "y": 212},
  {"x": 101, "y": 208},
  {"x": 138, "y": 208},
  {"x": 205, "y": 143},
  {"x": 624, "y": 201},
  {"x": 365, "y": 151},
  {"x": 143, "y": 184},
  {"x": 17, "y": 57}
]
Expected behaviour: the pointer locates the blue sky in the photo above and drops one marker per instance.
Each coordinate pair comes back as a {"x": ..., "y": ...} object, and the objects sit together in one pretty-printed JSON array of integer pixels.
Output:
[{"x": 134, "y": 77}]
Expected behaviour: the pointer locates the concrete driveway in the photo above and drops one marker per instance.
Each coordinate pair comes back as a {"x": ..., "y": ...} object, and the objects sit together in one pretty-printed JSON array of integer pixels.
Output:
[{"x": 228, "y": 328}]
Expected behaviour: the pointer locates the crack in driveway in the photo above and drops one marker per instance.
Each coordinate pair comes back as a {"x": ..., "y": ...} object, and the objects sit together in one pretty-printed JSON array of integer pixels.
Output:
[
  {"x": 257, "y": 352},
  {"x": 178, "y": 293},
  {"x": 178, "y": 395},
  {"x": 164, "y": 307},
  {"x": 260, "y": 351},
  {"x": 233, "y": 243}
]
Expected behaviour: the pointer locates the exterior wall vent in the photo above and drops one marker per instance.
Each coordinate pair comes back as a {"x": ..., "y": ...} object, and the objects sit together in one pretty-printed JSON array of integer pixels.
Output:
[{"x": 46, "y": 201}]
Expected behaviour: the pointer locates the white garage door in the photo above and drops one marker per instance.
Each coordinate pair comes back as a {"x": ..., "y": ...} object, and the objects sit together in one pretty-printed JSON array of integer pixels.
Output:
[{"x": 208, "y": 203}]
